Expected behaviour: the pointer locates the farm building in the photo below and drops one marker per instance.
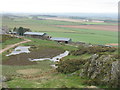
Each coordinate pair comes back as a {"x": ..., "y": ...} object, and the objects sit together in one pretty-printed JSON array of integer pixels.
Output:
[
  {"x": 59, "y": 39},
  {"x": 36, "y": 35},
  {"x": 14, "y": 33}
]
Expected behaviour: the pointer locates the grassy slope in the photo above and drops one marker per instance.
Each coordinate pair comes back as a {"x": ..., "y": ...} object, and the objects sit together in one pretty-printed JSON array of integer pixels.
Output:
[
  {"x": 85, "y": 35},
  {"x": 51, "y": 80},
  {"x": 10, "y": 42}
]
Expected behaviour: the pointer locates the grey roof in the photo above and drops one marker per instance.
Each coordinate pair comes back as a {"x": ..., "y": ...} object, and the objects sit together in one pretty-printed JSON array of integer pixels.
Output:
[
  {"x": 34, "y": 33},
  {"x": 14, "y": 32},
  {"x": 60, "y": 39}
]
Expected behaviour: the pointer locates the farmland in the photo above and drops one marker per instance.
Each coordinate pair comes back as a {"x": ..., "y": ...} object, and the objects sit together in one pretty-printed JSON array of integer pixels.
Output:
[
  {"x": 26, "y": 74},
  {"x": 23, "y": 73},
  {"x": 95, "y": 33},
  {"x": 43, "y": 75}
]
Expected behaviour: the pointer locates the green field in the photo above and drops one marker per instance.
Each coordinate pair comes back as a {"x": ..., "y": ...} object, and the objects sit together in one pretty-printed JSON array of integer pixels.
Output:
[{"x": 84, "y": 35}]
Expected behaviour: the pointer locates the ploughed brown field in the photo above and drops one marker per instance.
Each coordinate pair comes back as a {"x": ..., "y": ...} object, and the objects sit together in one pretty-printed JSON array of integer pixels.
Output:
[
  {"x": 113, "y": 44},
  {"x": 95, "y": 27}
]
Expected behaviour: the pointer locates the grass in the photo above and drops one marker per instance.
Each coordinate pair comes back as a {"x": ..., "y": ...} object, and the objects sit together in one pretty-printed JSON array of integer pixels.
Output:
[
  {"x": 59, "y": 81},
  {"x": 102, "y": 23},
  {"x": 10, "y": 42},
  {"x": 52, "y": 79},
  {"x": 85, "y": 35},
  {"x": 51, "y": 44},
  {"x": 47, "y": 76},
  {"x": 47, "y": 80},
  {"x": 84, "y": 56},
  {"x": 88, "y": 38}
]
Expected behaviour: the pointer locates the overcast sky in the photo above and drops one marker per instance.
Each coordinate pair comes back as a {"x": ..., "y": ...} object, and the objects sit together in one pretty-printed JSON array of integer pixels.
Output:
[{"x": 59, "y": 6}]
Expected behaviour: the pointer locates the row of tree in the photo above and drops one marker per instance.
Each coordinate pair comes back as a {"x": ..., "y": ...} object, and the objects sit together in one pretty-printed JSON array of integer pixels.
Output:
[{"x": 20, "y": 31}]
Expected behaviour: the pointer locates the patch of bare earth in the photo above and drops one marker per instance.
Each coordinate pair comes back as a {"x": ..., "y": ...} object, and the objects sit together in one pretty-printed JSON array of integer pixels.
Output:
[
  {"x": 28, "y": 71},
  {"x": 95, "y": 27},
  {"x": 22, "y": 59}
]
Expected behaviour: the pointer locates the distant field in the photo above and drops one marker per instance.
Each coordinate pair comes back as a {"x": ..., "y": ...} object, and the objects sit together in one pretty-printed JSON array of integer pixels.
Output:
[
  {"x": 95, "y": 33},
  {"x": 94, "y": 27},
  {"x": 80, "y": 21}
]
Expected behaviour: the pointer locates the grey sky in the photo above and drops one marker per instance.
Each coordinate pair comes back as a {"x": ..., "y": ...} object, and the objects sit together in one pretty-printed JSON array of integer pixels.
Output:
[{"x": 57, "y": 6}]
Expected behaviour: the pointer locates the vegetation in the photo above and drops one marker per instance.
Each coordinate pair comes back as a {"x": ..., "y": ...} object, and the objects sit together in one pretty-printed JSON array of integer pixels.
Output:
[
  {"x": 20, "y": 31},
  {"x": 46, "y": 76},
  {"x": 93, "y": 50},
  {"x": 5, "y": 37},
  {"x": 8, "y": 40},
  {"x": 48, "y": 26},
  {"x": 75, "y": 70},
  {"x": 97, "y": 68},
  {"x": 69, "y": 65}
]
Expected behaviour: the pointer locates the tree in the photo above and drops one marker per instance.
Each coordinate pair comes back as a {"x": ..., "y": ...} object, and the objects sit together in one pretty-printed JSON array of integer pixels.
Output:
[
  {"x": 15, "y": 29},
  {"x": 20, "y": 31}
]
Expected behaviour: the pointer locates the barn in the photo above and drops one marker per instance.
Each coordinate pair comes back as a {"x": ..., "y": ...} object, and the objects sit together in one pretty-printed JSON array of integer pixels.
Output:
[
  {"x": 36, "y": 35},
  {"x": 60, "y": 39}
]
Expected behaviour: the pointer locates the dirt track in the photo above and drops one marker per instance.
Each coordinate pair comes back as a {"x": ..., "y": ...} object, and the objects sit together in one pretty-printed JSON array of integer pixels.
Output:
[
  {"x": 11, "y": 46},
  {"x": 95, "y": 27}
]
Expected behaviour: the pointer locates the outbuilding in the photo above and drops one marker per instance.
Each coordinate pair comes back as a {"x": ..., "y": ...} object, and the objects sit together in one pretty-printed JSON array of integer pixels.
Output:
[
  {"x": 61, "y": 39},
  {"x": 14, "y": 33},
  {"x": 36, "y": 35}
]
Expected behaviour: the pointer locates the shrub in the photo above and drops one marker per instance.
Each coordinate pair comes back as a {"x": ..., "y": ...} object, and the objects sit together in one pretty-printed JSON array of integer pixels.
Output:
[
  {"x": 69, "y": 66},
  {"x": 5, "y": 37},
  {"x": 92, "y": 50}
]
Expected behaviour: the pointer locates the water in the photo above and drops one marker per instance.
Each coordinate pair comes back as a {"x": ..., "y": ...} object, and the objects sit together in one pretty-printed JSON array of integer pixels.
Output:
[
  {"x": 54, "y": 59},
  {"x": 20, "y": 49}
]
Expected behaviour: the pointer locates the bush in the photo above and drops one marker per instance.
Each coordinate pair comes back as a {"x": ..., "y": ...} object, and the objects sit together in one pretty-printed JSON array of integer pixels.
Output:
[
  {"x": 5, "y": 37},
  {"x": 92, "y": 50},
  {"x": 69, "y": 66}
]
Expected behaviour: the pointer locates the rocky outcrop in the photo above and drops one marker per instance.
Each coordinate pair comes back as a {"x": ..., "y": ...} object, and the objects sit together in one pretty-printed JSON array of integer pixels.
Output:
[
  {"x": 103, "y": 69},
  {"x": 4, "y": 79}
]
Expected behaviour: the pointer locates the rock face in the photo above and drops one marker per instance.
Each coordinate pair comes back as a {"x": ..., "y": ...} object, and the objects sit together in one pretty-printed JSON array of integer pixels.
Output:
[
  {"x": 3, "y": 79},
  {"x": 104, "y": 70}
]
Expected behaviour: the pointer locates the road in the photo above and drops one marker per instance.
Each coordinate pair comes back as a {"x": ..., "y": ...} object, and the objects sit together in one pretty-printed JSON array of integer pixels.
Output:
[{"x": 13, "y": 45}]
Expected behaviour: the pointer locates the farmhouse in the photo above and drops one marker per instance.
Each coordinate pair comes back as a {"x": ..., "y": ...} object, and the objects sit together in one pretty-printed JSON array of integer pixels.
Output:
[
  {"x": 36, "y": 35},
  {"x": 59, "y": 39}
]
